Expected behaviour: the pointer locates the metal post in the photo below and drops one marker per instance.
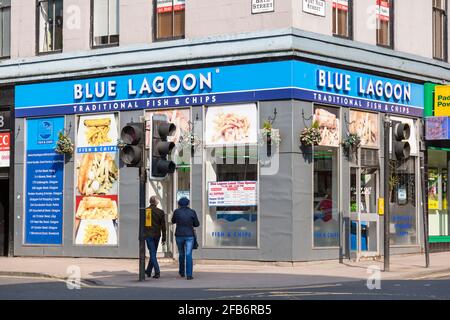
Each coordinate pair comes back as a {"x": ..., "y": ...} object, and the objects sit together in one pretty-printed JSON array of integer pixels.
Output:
[
  {"x": 142, "y": 202},
  {"x": 424, "y": 171},
  {"x": 387, "y": 127}
]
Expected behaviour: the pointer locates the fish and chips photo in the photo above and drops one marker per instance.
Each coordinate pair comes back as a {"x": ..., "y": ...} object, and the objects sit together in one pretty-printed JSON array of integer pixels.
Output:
[
  {"x": 96, "y": 173},
  {"x": 95, "y": 234},
  {"x": 97, "y": 208},
  {"x": 231, "y": 127},
  {"x": 328, "y": 126},
  {"x": 97, "y": 131},
  {"x": 365, "y": 125}
]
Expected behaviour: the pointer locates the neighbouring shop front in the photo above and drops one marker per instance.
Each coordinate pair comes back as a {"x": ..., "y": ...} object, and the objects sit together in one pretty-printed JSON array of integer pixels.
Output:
[
  {"x": 438, "y": 164},
  {"x": 257, "y": 198}
]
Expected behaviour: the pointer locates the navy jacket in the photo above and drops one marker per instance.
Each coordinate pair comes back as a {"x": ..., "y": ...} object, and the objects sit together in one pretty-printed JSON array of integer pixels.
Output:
[{"x": 186, "y": 219}]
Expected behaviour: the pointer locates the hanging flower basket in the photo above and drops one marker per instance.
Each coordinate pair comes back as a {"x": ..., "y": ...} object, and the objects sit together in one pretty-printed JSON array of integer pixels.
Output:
[
  {"x": 269, "y": 135},
  {"x": 64, "y": 145},
  {"x": 311, "y": 136},
  {"x": 352, "y": 141}
]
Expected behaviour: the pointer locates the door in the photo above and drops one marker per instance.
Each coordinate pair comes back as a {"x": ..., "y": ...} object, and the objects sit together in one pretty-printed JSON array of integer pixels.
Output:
[
  {"x": 364, "y": 230},
  {"x": 4, "y": 215}
]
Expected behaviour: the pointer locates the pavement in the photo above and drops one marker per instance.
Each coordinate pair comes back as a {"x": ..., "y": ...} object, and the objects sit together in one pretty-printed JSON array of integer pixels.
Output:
[{"x": 224, "y": 275}]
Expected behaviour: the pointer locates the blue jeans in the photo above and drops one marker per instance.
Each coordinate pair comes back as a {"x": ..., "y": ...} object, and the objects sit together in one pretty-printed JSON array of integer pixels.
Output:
[
  {"x": 185, "y": 245},
  {"x": 152, "y": 245}
]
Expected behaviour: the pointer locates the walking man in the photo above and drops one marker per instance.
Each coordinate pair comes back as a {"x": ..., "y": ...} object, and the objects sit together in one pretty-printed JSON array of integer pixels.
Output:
[{"x": 152, "y": 235}]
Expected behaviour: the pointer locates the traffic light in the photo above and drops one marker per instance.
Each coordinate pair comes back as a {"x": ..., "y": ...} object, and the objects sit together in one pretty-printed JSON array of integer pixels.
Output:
[
  {"x": 400, "y": 145},
  {"x": 161, "y": 148},
  {"x": 133, "y": 136}
]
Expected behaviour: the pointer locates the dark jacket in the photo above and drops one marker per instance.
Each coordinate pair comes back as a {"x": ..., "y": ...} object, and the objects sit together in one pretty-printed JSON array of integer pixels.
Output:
[
  {"x": 158, "y": 224},
  {"x": 185, "y": 219}
]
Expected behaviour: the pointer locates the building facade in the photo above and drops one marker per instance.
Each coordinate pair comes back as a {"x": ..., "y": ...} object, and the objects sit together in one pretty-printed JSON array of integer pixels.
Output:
[{"x": 221, "y": 73}]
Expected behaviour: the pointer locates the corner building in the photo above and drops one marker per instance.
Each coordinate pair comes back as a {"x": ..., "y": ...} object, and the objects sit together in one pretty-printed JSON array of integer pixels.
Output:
[{"x": 221, "y": 72}]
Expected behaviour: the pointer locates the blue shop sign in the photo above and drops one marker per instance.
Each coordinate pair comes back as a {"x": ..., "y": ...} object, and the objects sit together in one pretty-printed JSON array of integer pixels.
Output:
[{"x": 227, "y": 84}]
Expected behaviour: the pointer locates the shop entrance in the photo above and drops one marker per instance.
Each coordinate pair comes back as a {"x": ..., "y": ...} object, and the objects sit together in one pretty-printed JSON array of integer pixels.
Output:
[
  {"x": 4, "y": 214},
  {"x": 365, "y": 226},
  {"x": 173, "y": 188}
]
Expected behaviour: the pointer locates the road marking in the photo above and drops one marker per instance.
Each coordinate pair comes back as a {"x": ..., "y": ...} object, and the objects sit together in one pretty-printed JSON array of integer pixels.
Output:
[
  {"x": 279, "y": 288},
  {"x": 83, "y": 284}
]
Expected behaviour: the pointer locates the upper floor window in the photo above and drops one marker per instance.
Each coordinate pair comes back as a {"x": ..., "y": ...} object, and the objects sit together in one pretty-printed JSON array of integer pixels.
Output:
[
  {"x": 105, "y": 22},
  {"x": 5, "y": 28},
  {"x": 385, "y": 23},
  {"x": 50, "y": 25},
  {"x": 170, "y": 19},
  {"x": 440, "y": 29},
  {"x": 342, "y": 18}
]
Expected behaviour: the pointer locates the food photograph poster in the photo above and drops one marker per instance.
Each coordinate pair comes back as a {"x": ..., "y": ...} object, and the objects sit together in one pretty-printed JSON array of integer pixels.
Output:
[
  {"x": 235, "y": 124},
  {"x": 328, "y": 121},
  {"x": 365, "y": 125},
  {"x": 96, "y": 180}
]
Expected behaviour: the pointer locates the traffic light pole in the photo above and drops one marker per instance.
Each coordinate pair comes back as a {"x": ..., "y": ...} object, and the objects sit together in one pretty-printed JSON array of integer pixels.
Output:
[
  {"x": 142, "y": 183},
  {"x": 387, "y": 127}
]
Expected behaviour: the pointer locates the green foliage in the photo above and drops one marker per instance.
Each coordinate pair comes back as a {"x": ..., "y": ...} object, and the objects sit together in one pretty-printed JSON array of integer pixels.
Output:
[
  {"x": 353, "y": 140},
  {"x": 311, "y": 136},
  {"x": 64, "y": 145}
]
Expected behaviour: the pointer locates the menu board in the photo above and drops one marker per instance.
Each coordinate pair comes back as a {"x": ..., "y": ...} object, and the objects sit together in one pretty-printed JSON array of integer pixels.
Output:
[
  {"x": 236, "y": 124},
  {"x": 44, "y": 182},
  {"x": 96, "y": 180},
  {"x": 365, "y": 125},
  {"x": 232, "y": 193}
]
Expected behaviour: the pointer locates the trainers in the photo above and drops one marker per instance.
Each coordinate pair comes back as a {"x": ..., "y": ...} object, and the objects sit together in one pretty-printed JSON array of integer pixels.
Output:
[
  {"x": 156, "y": 276},
  {"x": 148, "y": 274},
  {"x": 190, "y": 278},
  {"x": 181, "y": 275}
]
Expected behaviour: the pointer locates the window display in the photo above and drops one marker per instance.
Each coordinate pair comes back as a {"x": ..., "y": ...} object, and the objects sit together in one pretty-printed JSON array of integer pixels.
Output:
[
  {"x": 231, "y": 170},
  {"x": 96, "y": 181},
  {"x": 326, "y": 197},
  {"x": 328, "y": 121},
  {"x": 402, "y": 203},
  {"x": 365, "y": 125}
]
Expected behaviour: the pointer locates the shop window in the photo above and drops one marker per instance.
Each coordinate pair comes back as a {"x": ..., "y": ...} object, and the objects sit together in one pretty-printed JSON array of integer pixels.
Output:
[
  {"x": 326, "y": 197},
  {"x": 50, "y": 26},
  {"x": 402, "y": 202},
  {"x": 440, "y": 29},
  {"x": 384, "y": 12},
  {"x": 231, "y": 176},
  {"x": 326, "y": 178},
  {"x": 342, "y": 18},
  {"x": 170, "y": 15},
  {"x": 5, "y": 29},
  {"x": 105, "y": 23},
  {"x": 437, "y": 193}
]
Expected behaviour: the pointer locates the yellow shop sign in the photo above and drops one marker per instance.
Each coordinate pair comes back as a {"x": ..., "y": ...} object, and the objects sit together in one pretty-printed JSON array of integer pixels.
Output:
[{"x": 442, "y": 101}]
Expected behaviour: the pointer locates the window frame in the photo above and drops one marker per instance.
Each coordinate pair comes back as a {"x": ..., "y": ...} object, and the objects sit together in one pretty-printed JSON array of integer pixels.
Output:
[
  {"x": 349, "y": 23},
  {"x": 91, "y": 30},
  {"x": 392, "y": 27},
  {"x": 445, "y": 34},
  {"x": 155, "y": 24},
  {"x": 204, "y": 206},
  {"x": 3, "y": 6},
  {"x": 338, "y": 149},
  {"x": 43, "y": 53}
]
